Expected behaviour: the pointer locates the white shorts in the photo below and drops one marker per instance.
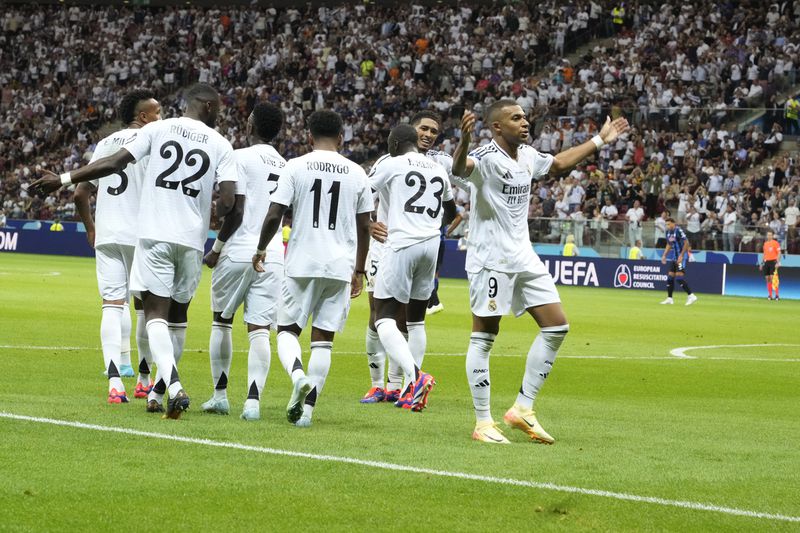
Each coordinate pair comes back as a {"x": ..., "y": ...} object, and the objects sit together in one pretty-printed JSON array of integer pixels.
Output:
[
  {"x": 113, "y": 264},
  {"x": 327, "y": 300},
  {"x": 234, "y": 284},
  {"x": 493, "y": 293},
  {"x": 374, "y": 257},
  {"x": 166, "y": 269},
  {"x": 408, "y": 273}
]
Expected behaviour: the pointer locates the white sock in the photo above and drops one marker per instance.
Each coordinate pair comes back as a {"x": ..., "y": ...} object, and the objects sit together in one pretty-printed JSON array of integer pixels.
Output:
[
  {"x": 319, "y": 364},
  {"x": 480, "y": 344},
  {"x": 417, "y": 341},
  {"x": 161, "y": 348},
  {"x": 394, "y": 376},
  {"x": 290, "y": 353},
  {"x": 376, "y": 356},
  {"x": 397, "y": 347},
  {"x": 177, "y": 334},
  {"x": 143, "y": 349},
  {"x": 220, "y": 353},
  {"x": 125, "y": 347},
  {"x": 540, "y": 361},
  {"x": 257, "y": 366},
  {"x": 110, "y": 340}
]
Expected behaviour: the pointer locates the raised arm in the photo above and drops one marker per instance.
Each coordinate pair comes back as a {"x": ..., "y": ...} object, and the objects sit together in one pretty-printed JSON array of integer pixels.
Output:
[
  {"x": 101, "y": 168},
  {"x": 463, "y": 165},
  {"x": 568, "y": 159}
]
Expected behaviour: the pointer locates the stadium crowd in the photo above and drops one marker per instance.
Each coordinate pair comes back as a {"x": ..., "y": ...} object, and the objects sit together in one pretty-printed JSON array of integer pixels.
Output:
[{"x": 679, "y": 71}]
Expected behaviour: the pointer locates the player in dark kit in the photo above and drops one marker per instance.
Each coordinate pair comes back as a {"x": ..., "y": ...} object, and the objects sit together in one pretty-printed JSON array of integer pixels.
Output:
[{"x": 677, "y": 253}]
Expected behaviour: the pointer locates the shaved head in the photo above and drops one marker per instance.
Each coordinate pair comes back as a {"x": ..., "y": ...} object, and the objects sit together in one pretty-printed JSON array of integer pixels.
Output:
[{"x": 494, "y": 110}]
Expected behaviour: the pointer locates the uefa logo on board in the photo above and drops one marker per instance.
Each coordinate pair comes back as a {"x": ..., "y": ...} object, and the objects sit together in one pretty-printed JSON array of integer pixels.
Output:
[{"x": 622, "y": 277}]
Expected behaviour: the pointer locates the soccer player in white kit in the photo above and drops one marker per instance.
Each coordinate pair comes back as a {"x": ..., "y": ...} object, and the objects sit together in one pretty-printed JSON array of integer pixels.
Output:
[
  {"x": 114, "y": 237},
  {"x": 417, "y": 191},
  {"x": 234, "y": 282},
  {"x": 187, "y": 156},
  {"x": 327, "y": 249},
  {"x": 427, "y": 125},
  {"x": 505, "y": 274}
]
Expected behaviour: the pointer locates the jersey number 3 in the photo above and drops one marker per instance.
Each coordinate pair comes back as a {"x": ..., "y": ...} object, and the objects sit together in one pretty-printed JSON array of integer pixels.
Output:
[{"x": 166, "y": 153}]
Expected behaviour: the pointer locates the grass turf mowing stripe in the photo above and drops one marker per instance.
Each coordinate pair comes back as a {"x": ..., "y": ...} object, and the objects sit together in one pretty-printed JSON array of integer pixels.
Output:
[
  {"x": 697, "y": 506},
  {"x": 672, "y": 357}
]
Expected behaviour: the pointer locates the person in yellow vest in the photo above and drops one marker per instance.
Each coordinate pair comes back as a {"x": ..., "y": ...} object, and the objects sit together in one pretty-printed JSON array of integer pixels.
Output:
[
  {"x": 792, "y": 114},
  {"x": 56, "y": 226},
  {"x": 570, "y": 250},
  {"x": 636, "y": 251},
  {"x": 618, "y": 17}
]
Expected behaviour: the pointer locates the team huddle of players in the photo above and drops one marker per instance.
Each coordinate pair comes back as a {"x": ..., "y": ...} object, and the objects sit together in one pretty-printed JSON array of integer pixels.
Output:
[{"x": 154, "y": 181}]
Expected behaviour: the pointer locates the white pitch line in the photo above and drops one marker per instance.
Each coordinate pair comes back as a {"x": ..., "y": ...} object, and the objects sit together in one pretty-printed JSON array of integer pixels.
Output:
[
  {"x": 681, "y": 352},
  {"x": 696, "y": 506}
]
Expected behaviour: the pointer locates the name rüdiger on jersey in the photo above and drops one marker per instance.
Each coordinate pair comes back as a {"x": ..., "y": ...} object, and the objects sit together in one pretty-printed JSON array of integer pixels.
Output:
[{"x": 191, "y": 135}]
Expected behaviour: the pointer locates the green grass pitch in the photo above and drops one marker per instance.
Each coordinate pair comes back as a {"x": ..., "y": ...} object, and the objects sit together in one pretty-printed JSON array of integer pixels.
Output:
[{"x": 719, "y": 430}]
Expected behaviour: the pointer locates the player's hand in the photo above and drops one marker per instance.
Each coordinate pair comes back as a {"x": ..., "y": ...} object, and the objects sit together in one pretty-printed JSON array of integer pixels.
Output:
[
  {"x": 378, "y": 231},
  {"x": 680, "y": 259},
  {"x": 613, "y": 129},
  {"x": 356, "y": 284},
  {"x": 467, "y": 125},
  {"x": 90, "y": 237},
  {"x": 663, "y": 260},
  {"x": 760, "y": 267},
  {"x": 48, "y": 183},
  {"x": 258, "y": 262},
  {"x": 211, "y": 259}
]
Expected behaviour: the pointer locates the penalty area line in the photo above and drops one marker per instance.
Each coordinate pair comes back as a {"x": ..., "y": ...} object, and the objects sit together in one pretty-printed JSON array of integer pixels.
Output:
[{"x": 664, "y": 502}]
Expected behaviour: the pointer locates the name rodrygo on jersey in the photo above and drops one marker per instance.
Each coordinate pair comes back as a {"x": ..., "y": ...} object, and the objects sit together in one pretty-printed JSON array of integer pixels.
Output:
[
  {"x": 415, "y": 187},
  {"x": 186, "y": 159},
  {"x": 326, "y": 191}
]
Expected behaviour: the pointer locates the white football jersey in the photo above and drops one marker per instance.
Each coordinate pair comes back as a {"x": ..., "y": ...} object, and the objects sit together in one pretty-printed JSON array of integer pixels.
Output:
[
  {"x": 417, "y": 186},
  {"x": 500, "y": 193},
  {"x": 446, "y": 160},
  {"x": 326, "y": 191},
  {"x": 117, "y": 207},
  {"x": 382, "y": 211},
  {"x": 186, "y": 159},
  {"x": 259, "y": 168}
]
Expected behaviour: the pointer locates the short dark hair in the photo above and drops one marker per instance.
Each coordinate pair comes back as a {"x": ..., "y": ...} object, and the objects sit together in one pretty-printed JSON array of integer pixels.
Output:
[
  {"x": 670, "y": 219},
  {"x": 202, "y": 92},
  {"x": 496, "y": 107},
  {"x": 130, "y": 102},
  {"x": 267, "y": 120},
  {"x": 325, "y": 123},
  {"x": 426, "y": 113},
  {"x": 402, "y": 136}
]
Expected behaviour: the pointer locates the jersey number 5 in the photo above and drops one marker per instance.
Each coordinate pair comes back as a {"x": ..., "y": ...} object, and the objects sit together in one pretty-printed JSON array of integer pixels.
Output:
[
  {"x": 123, "y": 184},
  {"x": 190, "y": 160},
  {"x": 334, "y": 192}
]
